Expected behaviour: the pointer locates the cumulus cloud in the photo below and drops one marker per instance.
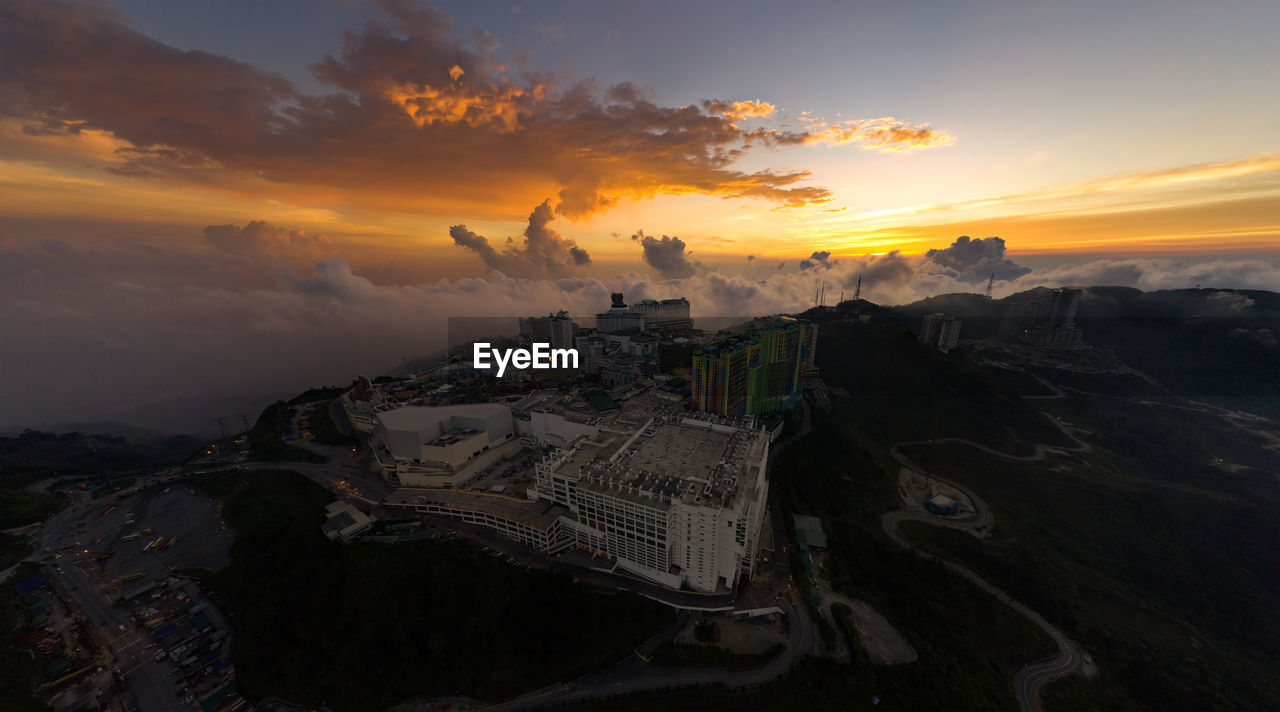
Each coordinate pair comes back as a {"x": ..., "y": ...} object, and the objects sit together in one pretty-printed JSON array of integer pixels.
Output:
[
  {"x": 544, "y": 252},
  {"x": 418, "y": 117},
  {"x": 261, "y": 240},
  {"x": 169, "y": 334},
  {"x": 972, "y": 260},
  {"x": 667, "y": 255},
  {"x": 818, "y": 260},
  {"x": 1153, "y": 273}
]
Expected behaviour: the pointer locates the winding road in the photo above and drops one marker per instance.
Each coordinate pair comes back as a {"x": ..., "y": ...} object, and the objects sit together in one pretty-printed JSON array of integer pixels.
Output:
[{"x": 1029, "y": 678}]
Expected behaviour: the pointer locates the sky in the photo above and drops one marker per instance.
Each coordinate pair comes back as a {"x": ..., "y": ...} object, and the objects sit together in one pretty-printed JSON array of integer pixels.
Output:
[{"x": 203, "y": 205}]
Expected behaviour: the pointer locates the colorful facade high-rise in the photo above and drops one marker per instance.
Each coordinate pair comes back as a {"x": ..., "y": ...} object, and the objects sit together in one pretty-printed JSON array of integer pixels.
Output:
[{"x": 757, "y": 373}]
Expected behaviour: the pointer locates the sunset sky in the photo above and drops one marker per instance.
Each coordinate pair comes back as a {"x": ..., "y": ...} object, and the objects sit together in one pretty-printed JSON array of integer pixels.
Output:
[{"x": 189, "y": 187}]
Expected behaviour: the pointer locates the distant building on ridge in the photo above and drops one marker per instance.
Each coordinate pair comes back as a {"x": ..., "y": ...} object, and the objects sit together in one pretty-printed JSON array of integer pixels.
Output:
[
  {"x": 941, "y": 331},
  {"x": 1045, "y": 322}
]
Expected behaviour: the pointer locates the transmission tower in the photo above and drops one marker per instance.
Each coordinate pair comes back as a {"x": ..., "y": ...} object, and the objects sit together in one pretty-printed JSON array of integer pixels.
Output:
[
  {"x": 857, "y": 291},
  {"x": 991, "y": 283}
]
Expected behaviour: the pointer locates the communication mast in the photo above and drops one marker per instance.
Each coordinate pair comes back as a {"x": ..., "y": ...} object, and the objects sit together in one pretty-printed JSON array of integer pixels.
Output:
[{"x": 857, "y": 291}]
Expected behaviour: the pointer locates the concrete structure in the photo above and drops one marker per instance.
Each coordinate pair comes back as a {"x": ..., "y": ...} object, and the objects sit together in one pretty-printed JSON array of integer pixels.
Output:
[
  {"x": 941, "y": 331},
  {"x": 930, "y": 327},
  {"x": 665, "y": 315},
  {"x": 809, "y": 532},
  {"x": 756, "y": 373},
  {"x": 949, "y": 334},
  {"x": 1063, "y": 305},
  {"x": 361, "y": 404},
  {"x": 680, "y": 500},
  {"x": 1045, "y": 322},
  {"x": 441, "y": 446},
  {"x": 1022, "y": 315},
  {"x": 673, "y": 497},
  {"x": 555, "y": 329},
  {"x": 344, "y": 522},
  {"x": 629, "y": 342},
  {"x": 537, "y": 525},
  {"x": 941, "y": 504},
  {"x": 618, "y": 318}
]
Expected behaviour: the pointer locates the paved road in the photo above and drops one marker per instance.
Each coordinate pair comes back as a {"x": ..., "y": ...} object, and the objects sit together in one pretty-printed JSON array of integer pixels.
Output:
[
  {"x": 633, "y": 676},
  {"x": 1029, "y": 678}
]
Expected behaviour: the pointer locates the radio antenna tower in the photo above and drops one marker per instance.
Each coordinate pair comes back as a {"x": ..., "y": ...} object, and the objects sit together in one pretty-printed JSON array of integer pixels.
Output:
[{"x": 991, "y": 283}]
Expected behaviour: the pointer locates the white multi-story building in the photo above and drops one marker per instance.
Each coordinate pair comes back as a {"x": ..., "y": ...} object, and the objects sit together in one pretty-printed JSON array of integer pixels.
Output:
[
  {"x": 618, "y": 318},
  {"x": 679, "y": 500},
  {"x": 665, "y": 314}
]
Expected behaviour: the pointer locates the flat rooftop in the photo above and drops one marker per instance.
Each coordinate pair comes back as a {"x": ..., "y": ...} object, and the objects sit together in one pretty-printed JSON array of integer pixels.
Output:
[
  {"x": 701, "y": 460},
  {"x": 810, "y": 528},
  {"x": 414, "y": 417},
  {"x": 452, "y": 436}
]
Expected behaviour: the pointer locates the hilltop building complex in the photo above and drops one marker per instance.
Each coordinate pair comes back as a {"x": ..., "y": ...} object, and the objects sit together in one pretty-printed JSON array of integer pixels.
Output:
[
  {"x": 1047, "y": 322},
  {"x": 675, "y": 497}
]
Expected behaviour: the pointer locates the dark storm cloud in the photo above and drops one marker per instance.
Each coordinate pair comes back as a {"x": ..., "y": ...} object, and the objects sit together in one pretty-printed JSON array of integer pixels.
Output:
[
  {"x": 970, "y": 260},
  {"x": 544, "y": 253},
  {"x": 667, "y": 255},
  {"x": 818, "y": 260}
]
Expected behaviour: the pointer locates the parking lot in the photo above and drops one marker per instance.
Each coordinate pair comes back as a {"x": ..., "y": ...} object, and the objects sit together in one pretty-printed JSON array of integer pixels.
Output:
[
  {"x": 160, "y": 643},
  {"x": 513, "y": 476}
]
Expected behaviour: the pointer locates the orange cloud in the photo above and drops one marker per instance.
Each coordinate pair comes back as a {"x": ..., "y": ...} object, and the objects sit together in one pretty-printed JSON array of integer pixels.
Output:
[
  {"x": 882, "y": 134},
  {"x": 418, "y": 122},
  {"x": 738, "y": 110},
  {"x": 454, "y": 104}
]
